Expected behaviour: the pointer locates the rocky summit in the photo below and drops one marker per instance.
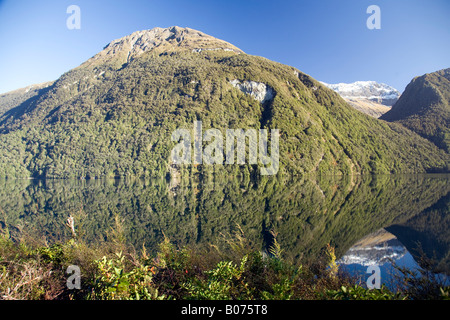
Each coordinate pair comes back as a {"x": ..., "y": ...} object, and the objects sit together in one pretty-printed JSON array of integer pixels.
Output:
[{"x": 128, "y": 48}]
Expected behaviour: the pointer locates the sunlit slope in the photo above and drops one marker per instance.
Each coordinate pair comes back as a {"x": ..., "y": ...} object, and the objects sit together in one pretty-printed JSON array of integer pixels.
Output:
[{"x": 114, "y": 115}]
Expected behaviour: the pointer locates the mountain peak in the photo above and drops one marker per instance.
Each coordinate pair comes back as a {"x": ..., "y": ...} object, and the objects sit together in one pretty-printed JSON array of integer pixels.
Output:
[{"x": 161, "y": 39}]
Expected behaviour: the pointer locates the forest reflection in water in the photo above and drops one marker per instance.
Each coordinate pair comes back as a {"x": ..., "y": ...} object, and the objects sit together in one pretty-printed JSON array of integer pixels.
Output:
[{"x": 307, "y": 213}]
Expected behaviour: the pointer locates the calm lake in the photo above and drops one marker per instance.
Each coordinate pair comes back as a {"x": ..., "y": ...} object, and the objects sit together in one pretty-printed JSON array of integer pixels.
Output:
[{"x": 370, "y": 220}]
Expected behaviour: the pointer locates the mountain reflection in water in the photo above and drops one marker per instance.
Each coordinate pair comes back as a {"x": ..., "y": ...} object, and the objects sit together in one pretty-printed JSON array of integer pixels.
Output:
[
  {"x": 374, "y": 249},
  {"x": 307, "y": 213}
]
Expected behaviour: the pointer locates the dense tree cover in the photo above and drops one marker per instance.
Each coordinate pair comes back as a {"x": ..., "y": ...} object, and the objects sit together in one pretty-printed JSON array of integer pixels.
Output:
[
  {"x": 307, "y": 213},
  {"x": 105, "y": 120},
  {"x": 424, "y": 107},
  {"x": 12, "y": 99}
]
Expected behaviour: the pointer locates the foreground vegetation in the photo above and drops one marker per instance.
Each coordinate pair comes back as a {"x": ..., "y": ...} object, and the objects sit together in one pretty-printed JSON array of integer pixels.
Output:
[{"x": 233, "y": 270}]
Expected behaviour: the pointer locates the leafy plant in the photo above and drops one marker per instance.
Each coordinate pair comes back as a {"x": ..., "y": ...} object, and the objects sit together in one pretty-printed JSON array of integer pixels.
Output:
[
  {"x": 359, "y": 293},
  {"x": 114, "y": 282},
  {"x": 223, "y": 282},
  {"x": 280, "y": 291},
  {"x": 333, "y": 267},
  {"x": 169, "y": 256},
  {"x": 275, "y": 249}
]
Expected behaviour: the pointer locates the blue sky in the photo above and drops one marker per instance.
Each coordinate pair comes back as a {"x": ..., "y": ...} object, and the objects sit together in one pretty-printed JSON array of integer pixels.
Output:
[{"x": 328, "y": 40}]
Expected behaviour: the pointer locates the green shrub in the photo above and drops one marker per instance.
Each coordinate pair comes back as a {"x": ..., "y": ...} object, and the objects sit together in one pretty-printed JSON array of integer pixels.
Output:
[
  {"x": 222, "y": 283},
  {"x": 114, "y": 282},
  {"x": 359, "y": 293}
]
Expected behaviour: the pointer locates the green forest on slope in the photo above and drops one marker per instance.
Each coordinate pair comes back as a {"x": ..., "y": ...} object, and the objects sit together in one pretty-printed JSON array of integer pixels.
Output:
[
  {"x": 115, "y": 119},
  {"x": 424, "y": 107}
]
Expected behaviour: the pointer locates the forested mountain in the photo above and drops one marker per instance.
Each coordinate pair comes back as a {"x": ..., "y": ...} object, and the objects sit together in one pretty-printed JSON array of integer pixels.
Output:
[
  {"x": 14, "y": 98},
  {"x": 114, "y": 115},
  {"x": 424, "y": 107}
]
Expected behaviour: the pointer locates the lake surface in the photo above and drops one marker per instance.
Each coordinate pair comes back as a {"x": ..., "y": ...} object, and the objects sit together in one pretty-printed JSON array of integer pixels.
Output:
[{"x": 369, "y": 220}]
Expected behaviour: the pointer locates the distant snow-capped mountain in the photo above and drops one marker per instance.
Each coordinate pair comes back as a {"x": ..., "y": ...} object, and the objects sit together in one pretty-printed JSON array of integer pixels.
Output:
[
  {"x": 371, "y": 90},
  {"x": 369, "y": 97}
]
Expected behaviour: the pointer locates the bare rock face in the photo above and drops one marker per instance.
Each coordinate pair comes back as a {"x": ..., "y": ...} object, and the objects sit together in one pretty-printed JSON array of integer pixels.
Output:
[{"x": 258, "y": 90}]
